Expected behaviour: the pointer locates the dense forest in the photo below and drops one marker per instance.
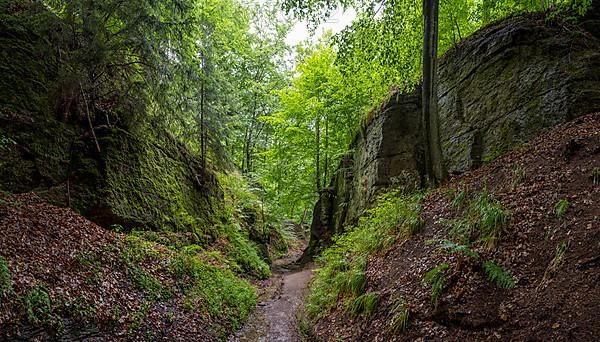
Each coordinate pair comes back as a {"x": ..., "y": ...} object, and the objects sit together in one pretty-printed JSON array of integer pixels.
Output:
[{"x": 176, "y": 170}]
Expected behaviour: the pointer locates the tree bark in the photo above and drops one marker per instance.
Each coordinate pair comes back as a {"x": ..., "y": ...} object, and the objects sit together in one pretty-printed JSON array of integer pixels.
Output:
[
  {"x": 433, "y": 159},
  {"x": 318, "y": 154}
]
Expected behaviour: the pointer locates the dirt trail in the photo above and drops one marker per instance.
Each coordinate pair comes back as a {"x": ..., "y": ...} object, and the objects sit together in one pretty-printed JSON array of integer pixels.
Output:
[{"x": 275, "y": 318}]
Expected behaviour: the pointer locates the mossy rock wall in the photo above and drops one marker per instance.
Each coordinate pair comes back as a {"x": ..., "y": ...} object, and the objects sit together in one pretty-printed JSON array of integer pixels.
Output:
[
  {"x": 153, "y": 182},
  {"x": 497, "y": 89}
]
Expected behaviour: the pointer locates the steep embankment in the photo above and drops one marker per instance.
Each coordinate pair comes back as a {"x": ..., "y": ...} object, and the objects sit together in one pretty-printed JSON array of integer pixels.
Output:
[
  {"x": 506, "y": 252},
  {"x": 64, "y": 277},
  {"x": 497, "y": 89}
]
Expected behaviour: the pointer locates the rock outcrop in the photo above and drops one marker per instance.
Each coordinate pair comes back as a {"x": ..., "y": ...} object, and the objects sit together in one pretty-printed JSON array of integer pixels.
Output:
[{"x": 498, "y": 89}]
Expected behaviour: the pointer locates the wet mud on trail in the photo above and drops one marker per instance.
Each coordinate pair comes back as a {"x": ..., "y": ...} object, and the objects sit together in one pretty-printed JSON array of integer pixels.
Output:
[{"x": 275, "y": 318}]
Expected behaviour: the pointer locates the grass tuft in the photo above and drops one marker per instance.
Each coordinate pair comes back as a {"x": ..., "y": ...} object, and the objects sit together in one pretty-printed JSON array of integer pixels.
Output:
[
  {"x": 365, "y": 304},
  {"x": 5, "y": 278},
  {"x": 596, "y": 176},
  {"x": 401, "y": 315},
  {"x": 560, "y": 209}
]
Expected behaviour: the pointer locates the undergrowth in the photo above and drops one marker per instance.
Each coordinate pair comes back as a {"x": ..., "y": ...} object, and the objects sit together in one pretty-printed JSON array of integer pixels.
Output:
[
  {"x": 400, "y": 316},
  {"x": 482, "y": 221},
  {"x": 5, "y": 279},
  {"x": 436, "y": 278},
  {"x": 206, "y": 280},
  {"x": 394, "y": 217}
]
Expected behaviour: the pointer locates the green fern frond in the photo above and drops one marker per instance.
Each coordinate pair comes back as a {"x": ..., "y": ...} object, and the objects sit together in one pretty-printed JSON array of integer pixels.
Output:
[{"x": 498, "y": 275}]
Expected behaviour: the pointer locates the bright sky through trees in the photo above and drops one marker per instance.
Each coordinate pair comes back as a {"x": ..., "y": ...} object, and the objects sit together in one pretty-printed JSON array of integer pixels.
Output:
[{"x": 338, "y": 21}]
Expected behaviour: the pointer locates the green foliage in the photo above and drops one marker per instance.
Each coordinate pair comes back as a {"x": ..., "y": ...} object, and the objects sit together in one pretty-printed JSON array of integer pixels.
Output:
[
  {"x": 489, "y": 217},
  {"x": 484, "y": 217},
  {"x": 37, "y": 305},
  {"x": 5, "y": 143},
  {"x": 206, "y": 280},
  {"x": 595, "y": 176},
  {"x": 213, "y": 290},
  {"x": 454, "y": 248},
  {"x": 518, "y": 175},
  {"x": 365, "y": 304},
  {"x": 460, "y": 198},
  {"x": 436, "y": 278},
  {"x": 400, "y": 316},
  {"x": 560, "y": 209},
  {"x": 498, "y": 275},
  {"x": 559, "y": 255},
  {"x": 395, "y": 216},
  {"x": 5, "y": 279}
]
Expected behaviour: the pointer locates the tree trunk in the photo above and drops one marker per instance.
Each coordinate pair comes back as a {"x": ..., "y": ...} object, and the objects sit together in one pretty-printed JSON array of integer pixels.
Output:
[
  {"x": 318, "y": 154},
  {"x": 326, "y": 167},
  {"x": 434, "y": 159},
  {"x": 202, "y": 133}
]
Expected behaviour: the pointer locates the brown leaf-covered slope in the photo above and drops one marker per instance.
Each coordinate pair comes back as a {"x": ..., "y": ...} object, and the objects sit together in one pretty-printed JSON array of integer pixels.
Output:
[
  {"x": 92, "y": 291},
  {"x": 549, "y": 302}
]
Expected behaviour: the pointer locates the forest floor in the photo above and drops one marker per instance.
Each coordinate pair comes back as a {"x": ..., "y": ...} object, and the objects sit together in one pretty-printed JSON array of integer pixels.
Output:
[{"x": 282, "y": 297}]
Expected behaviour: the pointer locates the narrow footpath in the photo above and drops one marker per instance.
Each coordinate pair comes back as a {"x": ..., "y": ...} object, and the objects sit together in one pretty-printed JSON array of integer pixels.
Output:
[{"x": 281, "y": 298}]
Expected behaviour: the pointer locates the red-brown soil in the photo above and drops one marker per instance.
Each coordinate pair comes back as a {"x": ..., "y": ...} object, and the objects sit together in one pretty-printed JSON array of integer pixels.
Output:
[
  {"x": 560, "y": 303},
  {"x": 92, "y": 295}
]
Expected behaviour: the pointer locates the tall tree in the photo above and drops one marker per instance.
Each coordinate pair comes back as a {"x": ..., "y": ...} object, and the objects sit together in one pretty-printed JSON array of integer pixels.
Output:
[{"x": 434, "y": 157}]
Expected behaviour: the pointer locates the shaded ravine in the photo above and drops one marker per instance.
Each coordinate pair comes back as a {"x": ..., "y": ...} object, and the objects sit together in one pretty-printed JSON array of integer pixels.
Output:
[{"x": 275, "y": 318}]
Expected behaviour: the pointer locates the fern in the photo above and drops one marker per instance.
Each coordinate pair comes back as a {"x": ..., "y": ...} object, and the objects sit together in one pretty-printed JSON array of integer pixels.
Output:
[
  {"x": 454, "y": 248},
  {"x": 437, "y": 279},
  {"x": 498, "y": 275}
]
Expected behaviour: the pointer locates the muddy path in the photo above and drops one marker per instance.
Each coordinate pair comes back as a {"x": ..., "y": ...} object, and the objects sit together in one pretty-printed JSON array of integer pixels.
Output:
[{"x": 281, "y": 297}]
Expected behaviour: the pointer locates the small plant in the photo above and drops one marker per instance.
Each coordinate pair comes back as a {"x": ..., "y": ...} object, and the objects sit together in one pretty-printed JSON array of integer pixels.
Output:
[
  {"x": 365, "y": 304},
  {"x": 498, "y": 275},
  {"x": 461, "y": 230},
  {"x": 138, "y": 317},
  {"x": 560, "y": 209},
  {"x": 401, "y": 314},
  {"x": 549, "y": 234},
  {"x": 518, "y": 175},
  {"x": 460, "y": 198},
  {"x": 5, "y": 279},
  {"x": 559, "y": 255},
  {"x": 37, "y": 304},
  {"x": 6, "y": 143},
  {"x": 596, "y": 175},
  {"x": 436, "y": 278},
  {"x": 454, "y": 248},
  {"x": 489, "y": 217}
]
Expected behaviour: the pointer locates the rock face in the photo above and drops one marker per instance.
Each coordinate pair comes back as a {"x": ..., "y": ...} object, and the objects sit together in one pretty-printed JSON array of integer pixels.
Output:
[{"x": 498, "y": 89}]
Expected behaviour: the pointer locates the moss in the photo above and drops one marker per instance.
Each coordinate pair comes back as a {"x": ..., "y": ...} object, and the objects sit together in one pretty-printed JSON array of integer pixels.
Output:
[{"x": 152, "y": 185}]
